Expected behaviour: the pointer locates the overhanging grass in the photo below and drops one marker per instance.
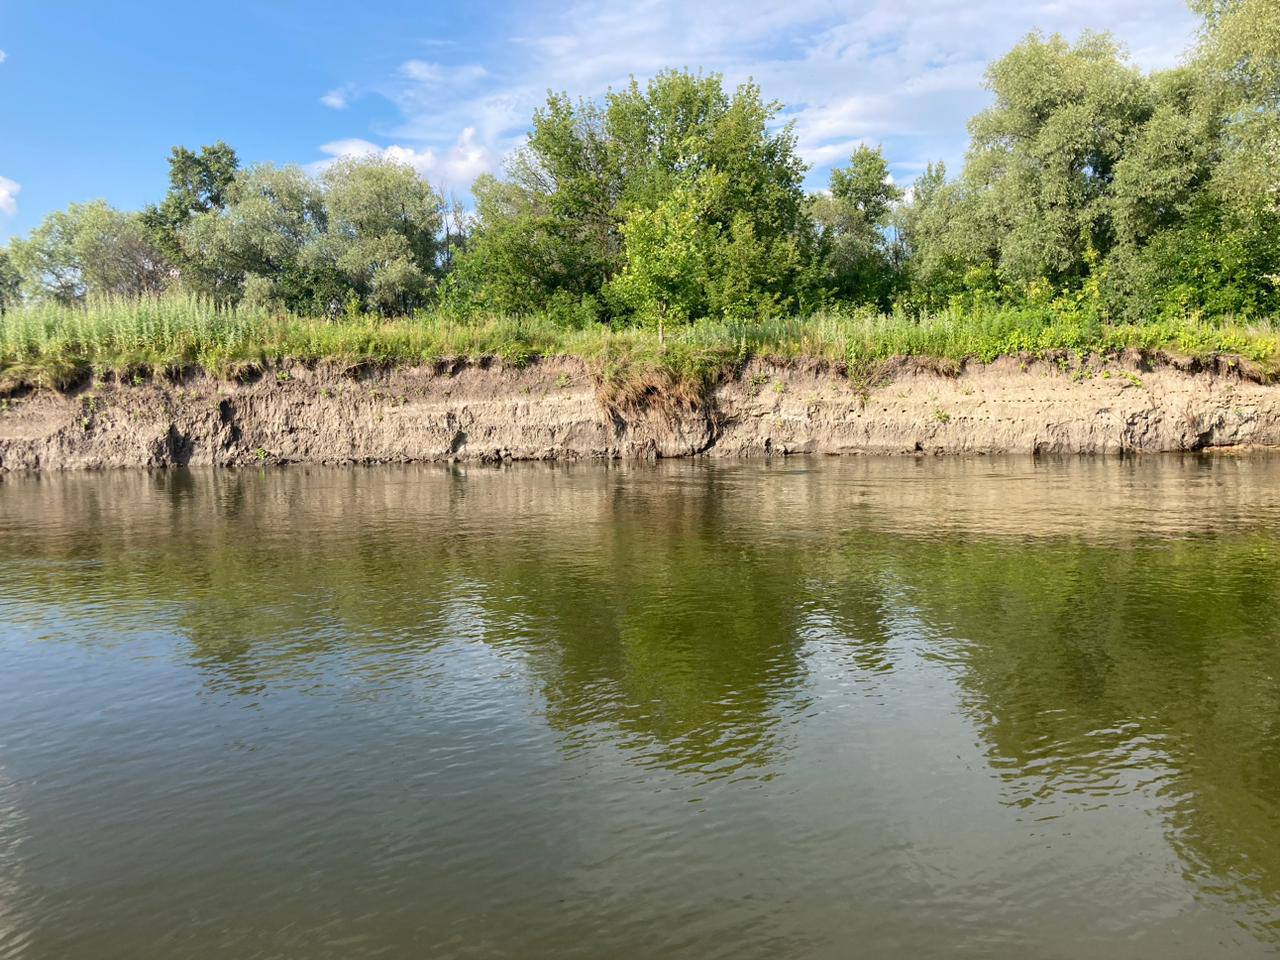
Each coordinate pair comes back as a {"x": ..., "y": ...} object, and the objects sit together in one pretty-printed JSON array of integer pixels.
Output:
[{"x": 52, "y": 345}]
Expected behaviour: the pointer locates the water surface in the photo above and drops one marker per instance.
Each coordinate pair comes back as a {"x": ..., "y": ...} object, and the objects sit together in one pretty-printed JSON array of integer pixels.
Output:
[{"x": 827, "y": 708}]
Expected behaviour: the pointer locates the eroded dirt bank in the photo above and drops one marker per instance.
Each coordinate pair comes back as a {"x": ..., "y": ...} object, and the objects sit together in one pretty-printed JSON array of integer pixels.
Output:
[{"x": 551, "y": 410}]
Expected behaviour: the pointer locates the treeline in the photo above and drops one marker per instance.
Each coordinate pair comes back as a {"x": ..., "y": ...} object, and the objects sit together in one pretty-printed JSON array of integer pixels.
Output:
[{"x": 1087, "y": 182}]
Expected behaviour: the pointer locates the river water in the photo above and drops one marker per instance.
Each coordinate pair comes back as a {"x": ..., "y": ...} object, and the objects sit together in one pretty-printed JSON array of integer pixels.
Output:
[{"x": 808, "y": 708}]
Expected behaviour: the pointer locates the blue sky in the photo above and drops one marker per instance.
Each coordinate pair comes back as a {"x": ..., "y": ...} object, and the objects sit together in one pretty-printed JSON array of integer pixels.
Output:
[{"x": 94, "y": 93}]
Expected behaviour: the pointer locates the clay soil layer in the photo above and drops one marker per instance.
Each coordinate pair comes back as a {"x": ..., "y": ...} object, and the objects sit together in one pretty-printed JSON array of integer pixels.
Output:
[{"x": 554, "y": 409}]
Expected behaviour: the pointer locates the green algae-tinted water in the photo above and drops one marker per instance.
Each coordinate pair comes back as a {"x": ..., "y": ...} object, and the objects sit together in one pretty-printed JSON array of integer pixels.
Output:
[{"x": 801, "y": 709}]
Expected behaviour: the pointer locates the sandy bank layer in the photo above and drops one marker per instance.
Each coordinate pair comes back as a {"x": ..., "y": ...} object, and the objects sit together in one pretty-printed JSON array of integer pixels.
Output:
[{"x": 550, "y": 410}]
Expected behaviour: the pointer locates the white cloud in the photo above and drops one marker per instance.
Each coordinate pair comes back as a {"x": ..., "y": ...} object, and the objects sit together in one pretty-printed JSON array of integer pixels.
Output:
[
  {"x": 451, "y": 169},
  {"x": 3, "y": 56},
  {"x": 905, "y": 73},
  {"x": 9, "y": 191},
  {"x": 337, "y": 99}
]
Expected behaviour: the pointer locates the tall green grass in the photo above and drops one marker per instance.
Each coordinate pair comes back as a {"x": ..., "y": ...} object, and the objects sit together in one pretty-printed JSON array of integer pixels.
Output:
[{"x": 50, "y": 344}]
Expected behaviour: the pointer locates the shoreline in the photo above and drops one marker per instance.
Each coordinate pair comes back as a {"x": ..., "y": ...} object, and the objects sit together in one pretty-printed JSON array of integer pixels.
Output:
[{"x": 554, "y": 409}]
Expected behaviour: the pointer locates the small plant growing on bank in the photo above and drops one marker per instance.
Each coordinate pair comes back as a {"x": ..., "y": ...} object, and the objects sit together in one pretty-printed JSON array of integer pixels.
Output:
[
  {"x": 54, "y": 345},
  {"x": 942, "y": 416}
]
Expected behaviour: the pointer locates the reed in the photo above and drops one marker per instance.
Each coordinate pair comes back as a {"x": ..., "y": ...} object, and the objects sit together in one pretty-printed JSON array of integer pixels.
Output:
[{"x": 52, "y": 345}]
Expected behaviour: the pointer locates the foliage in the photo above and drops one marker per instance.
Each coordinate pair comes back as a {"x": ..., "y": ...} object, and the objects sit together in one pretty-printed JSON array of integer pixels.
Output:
[
  {"x": 51, "y": 343},
  {"x": 198, "y": 183},
  {"x": 1089, "y": 187},
  {"x": 861, "y": 264},
  {"x": 1149, "y": 194},
  {"x": 1032, "y": 198},
  {"x": 676, "y": 162},
  {"x": 10, "y": 281},
  {"x": 382, "y": 231},
  {"x": 367, "y": 229},
  {"x": 89, "y": 249}
]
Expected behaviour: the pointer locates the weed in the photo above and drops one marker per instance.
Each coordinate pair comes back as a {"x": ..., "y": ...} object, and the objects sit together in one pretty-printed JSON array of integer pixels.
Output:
[{"x": 55, "y": 345}]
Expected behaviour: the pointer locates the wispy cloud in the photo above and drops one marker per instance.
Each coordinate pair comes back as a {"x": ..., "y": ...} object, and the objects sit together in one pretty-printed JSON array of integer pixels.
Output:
[
  {"x": 3, "y": 56},
  {"x": 9, "y": 191},
  {"x": 338, "y": 99},
  {"x": 905, "y": 73},
  {"x": 453, "y": 168}
]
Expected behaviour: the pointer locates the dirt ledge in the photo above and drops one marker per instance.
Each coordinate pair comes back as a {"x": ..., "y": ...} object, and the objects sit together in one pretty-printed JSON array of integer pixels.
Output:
[{"x": 550, "y": 410}]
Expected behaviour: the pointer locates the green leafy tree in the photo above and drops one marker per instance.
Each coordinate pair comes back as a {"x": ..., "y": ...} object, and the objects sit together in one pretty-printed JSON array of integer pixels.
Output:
[
  {"x": 262, "y": 240},
  {"x": 853, "y": 219},
  {"x": 10, "y": 281},
  {"x": 1043, "y": 155},
  {"x": 383, "y": 231},
  {"x": 1195, "y": 197},
  {"x": 556, "y": 226},
  {"x": 1240, "y": 53},
  {"x": 1031, "y": 204},
  {"x": 672, "y": 254},
  {"x": 89, "y": 249},
  {"x": 198, "y": 183}
]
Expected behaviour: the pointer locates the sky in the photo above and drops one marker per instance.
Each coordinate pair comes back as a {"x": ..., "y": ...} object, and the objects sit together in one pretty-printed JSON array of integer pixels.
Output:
[{"x": 93, "y": 94}]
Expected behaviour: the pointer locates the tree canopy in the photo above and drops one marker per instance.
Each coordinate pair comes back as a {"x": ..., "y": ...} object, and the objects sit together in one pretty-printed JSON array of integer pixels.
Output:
[
  {"x": 1130, "y": 194},
  {"x": 600, "y": 190}
]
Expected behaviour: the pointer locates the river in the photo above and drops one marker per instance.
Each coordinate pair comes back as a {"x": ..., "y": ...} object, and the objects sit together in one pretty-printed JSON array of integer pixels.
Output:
[{"x": 803, "y": 708}]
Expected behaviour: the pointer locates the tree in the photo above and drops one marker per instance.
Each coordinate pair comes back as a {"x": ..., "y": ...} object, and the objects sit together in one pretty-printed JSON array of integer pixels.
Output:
[
  {"x": 937, "y": 259},
  {"x": 1240, "y": 53},
  {"x": 555, "y": 226},
  {"x": 198, "y": 183},
  {"x": 10, "y": 282},
  {"x": 672, "y": 254},
  {"x": 1196, "y": 198},
  {"x": 852, "y": 220},
  {"x": 383, "y": 231},
  {"x": 1032, "y": 201},
  {"x": 263, "y": 235},
  {"x": 90, "y": 249}
]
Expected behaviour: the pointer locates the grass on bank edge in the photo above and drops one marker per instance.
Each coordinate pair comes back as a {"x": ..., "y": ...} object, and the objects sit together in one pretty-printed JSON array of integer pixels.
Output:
[{"x": 57, "y": 346}]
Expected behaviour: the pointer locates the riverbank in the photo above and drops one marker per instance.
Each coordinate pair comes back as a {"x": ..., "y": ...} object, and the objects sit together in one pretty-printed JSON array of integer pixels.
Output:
[{"x": 559, "y": 408}]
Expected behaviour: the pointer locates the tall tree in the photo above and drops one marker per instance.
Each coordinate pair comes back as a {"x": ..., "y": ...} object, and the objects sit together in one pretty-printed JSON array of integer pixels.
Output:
[
  {"x": 383, "y": 231},
  {"x": 557, "y": 225},
  {"x": 198, "y": 182},
  {"x": 10, "y": 281},
  {"x": 260, "y": 239},
  {"x": 90, "y": 249},
  {"x": 853, "y": 219}
]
